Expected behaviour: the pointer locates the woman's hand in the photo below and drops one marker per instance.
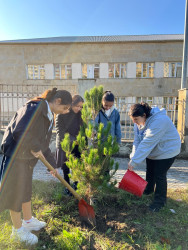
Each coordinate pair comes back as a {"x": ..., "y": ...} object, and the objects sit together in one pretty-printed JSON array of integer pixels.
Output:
[
  {"x": 130, "y": 167},
  {"x": 37, "y": 154},
  {"x": 54, "y": 173}
]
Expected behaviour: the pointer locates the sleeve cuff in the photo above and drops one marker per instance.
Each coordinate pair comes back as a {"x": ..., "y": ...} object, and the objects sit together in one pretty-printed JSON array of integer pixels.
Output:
[{"x": 132, "y": 163}]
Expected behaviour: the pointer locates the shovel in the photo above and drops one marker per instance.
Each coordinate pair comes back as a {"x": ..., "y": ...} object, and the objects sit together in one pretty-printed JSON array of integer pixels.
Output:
[{"x": 86, "y": 211}]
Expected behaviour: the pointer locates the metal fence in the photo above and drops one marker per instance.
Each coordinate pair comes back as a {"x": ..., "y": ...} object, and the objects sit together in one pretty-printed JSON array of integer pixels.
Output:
[
  {"x": 127, "y": 124},
  {"x": 12, "y": 97}
]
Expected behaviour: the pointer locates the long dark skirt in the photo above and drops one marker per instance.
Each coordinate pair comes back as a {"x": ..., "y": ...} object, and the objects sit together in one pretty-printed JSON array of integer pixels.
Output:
[{"x": 15, "y": 183}]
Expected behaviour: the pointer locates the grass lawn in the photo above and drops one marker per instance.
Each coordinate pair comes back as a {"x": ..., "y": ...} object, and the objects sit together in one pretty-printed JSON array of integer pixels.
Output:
[{"x": 123, "y": 221}]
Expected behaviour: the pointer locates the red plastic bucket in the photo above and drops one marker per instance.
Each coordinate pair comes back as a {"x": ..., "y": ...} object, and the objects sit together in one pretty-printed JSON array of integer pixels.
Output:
[{"x": 133, "y": 183}]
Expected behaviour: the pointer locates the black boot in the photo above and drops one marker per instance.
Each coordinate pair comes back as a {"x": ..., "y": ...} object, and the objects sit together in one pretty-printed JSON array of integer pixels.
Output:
[
  {"x": 67, "y": 192},
  {"x": 74, "y": 185}
]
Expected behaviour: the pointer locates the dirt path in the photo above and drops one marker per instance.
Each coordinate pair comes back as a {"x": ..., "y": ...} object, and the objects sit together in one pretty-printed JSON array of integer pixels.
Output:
[{"x": 177, "y": 175}]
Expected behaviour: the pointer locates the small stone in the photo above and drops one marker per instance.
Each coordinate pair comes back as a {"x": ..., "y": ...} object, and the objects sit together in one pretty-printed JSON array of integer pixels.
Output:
[
  {"x": 179, "y": 200},
  {"x": 173, "y": 211}
]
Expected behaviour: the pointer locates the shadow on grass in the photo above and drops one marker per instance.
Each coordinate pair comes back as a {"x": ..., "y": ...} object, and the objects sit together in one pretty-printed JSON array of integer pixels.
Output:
[
  {"x": 123, "y": 218},
  {"x": 123, "y": 221},
  {"x": 129, "y": 218},
  {"x": 45, "y": 240}
]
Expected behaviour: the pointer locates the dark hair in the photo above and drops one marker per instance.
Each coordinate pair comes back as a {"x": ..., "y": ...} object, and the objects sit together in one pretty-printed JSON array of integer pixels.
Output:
[
  {"x": 51, "y": 95},
  {"x": 139, "y": 109},
  {"x": 76, "y": 99},
  {"x": 108, "y": 96}
]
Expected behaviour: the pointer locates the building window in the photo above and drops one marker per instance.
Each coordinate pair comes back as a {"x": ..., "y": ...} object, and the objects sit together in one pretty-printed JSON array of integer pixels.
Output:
[
  {"x": 144, "y": 70},
  {"x": 148, "y": 100},
  {"x": 117, "y": 70},
  {"x": 62, "y": 71},
  {"x": 172, "y": 69},
  {"x": 90, "y": 70},
  {"x": 35, "y": 72},
  {"x": 169, "y": 103}
]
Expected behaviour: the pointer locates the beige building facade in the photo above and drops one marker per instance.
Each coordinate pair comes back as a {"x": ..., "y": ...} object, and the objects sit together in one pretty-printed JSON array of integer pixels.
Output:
[
  {"x": 130, "y": 66},
  {"x": 135, "y": 68}
]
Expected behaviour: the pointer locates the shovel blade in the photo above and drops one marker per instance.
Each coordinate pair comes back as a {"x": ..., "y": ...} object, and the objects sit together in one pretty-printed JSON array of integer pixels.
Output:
[{"x": 86, "y": 212}]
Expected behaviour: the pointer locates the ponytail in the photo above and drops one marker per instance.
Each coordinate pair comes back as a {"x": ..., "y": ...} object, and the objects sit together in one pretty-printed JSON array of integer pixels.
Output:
[
  {"x": 108, "y": 96},
  {"x": 51, "y": 95}
]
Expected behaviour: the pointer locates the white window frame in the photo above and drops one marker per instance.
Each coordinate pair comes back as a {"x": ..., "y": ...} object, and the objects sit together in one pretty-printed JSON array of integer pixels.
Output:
[
  {"x": 121, "y": 66},
  {"x": 148, "y": 100},
  {"x": 148, "y": 67},
  {"x": 39, "y": 68},
  {"x": 67, "y": 66},
  {"x": 177, "y": 65},
  {"x": 94, "y": 66}
]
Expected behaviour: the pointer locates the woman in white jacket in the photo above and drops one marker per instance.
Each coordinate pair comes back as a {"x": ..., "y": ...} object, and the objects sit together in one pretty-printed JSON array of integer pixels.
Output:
[{"x": 156, "y": 140}]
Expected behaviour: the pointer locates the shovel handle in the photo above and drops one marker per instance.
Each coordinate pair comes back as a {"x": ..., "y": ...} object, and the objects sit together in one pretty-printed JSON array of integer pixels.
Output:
[{"x": 62, "y": 180}]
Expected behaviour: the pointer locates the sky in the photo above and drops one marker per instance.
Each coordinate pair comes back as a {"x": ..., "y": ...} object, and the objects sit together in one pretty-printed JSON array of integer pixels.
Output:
[{"x": 24, "y": 19}]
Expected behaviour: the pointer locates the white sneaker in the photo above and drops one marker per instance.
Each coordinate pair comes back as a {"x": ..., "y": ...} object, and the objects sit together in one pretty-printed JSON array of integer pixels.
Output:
[
  {"x": 34, "y": 225},
  {"x": 24, "y": 236}
]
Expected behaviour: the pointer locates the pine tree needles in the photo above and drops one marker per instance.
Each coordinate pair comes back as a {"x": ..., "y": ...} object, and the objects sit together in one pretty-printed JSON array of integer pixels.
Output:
[{"x": 95, "y": 168}]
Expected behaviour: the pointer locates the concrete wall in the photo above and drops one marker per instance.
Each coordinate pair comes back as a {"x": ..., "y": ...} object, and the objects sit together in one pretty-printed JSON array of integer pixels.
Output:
[
  {"x": 49, "y": 71},
  {"x": 131, "y": 70},
  {"x": 15, "y": 57},
  {"x": 103, "y": 70},
  {"x": 84, "y": 85},
  {"x": 76, "y": 70},
  {"x": 159, "y": 69},
  {"x": 142, "y": 87}
]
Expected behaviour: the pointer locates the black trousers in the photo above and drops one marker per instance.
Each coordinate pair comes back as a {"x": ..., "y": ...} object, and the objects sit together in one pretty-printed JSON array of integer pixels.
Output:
[{"x": 156, "y": 176}]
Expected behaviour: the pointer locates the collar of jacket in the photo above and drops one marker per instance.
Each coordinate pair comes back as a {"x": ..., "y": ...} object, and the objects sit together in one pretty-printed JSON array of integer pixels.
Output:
[
  {"x": 41, "y": 105},
  {"x": 102, "y": 110}
]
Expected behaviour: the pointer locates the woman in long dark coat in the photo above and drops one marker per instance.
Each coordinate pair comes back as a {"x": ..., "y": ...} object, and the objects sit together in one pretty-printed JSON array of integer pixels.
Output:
[
  {"x": 68, "y": 123},
  {"x": 26, "y": 137}
]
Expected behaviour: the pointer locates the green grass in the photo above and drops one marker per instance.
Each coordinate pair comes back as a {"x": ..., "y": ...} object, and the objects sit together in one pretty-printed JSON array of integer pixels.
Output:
[{"x": 123, "y": 222}]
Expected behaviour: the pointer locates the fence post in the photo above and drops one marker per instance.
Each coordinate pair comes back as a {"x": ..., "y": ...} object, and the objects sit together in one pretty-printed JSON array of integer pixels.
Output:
[{"x": 183, "y": 120}]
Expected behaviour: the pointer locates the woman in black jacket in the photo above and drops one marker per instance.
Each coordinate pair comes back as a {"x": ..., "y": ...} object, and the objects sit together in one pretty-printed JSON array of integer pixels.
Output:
[
  {"x": 68, "y": 123},
  {"x": 26, "y": 137}
]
